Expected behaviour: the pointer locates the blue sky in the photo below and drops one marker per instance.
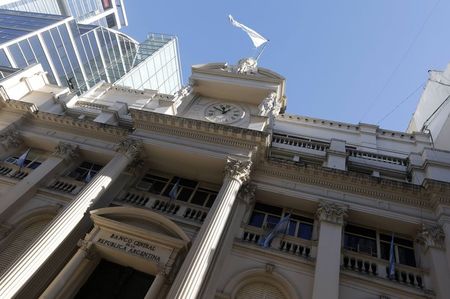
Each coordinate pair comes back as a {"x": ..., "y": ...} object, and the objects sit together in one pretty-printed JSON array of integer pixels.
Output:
[{"x": 348, "y": 60}]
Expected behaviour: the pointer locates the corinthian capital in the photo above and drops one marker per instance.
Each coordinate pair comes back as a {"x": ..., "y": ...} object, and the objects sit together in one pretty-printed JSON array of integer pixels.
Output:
[
  {"x": 247, "y": 194},
  {"x": 10, "y": 138},
  {"x": 237, "y": 169},
  {"x": 66, "y": 151},
  {"x": 130, "y": 147},
  {"x": 431, "y": 236},
  {"x": 331, "y": 212}
]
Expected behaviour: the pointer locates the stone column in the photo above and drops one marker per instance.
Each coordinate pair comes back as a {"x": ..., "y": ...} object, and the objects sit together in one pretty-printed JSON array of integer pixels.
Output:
[
  {"x": 86, "y": 251},
  {"x": 326, "y": 277},
  {"x": 156, "y": 286},
  {"x": 192, "y": 273},
  {"x": 25, "y": 188},
  {"x": 62, "y": 226},
  {"x": 432, "y": 239},
  {"x": 241, "y": 213}
]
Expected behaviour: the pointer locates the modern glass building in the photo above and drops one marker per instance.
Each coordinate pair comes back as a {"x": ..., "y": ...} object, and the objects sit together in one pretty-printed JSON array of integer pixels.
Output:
[
  {"x": 156, "y": 65},
  {"x": 79, "y": 56},
  {"x": 105, "y": 13}
]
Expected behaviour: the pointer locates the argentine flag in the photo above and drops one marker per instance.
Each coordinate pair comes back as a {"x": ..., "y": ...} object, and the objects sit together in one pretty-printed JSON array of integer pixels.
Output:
[{"x": 280, "y": 227}]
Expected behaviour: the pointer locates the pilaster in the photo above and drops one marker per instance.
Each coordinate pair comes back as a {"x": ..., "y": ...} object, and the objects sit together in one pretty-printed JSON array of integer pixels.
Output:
[
  {"x": 189, "y": 280},
  {"x": 331, "y": 217},
  {"x": 432, "y": 239}
]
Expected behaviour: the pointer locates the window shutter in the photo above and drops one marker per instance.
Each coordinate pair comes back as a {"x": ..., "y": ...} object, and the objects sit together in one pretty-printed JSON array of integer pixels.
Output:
[
  {"x": 258, "y": 290},
  {"x": 19, "y": 243}
]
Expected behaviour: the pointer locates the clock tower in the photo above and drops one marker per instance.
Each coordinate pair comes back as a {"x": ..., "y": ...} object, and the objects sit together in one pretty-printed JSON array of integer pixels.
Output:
[{"x": 241, "y": 95}]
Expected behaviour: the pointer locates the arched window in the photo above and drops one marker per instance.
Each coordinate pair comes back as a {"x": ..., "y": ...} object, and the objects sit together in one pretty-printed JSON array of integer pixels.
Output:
[
  {"x": 257, "y": 290},
  {"x": 20, "y": 240}
]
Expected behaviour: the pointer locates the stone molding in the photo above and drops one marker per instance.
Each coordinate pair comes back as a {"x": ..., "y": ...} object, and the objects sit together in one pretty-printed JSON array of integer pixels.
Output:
[
  {"x": 89, "y": 248},
  {"x": 11, "y": 138},
  {"x": 130, "y": 147},
  {"x": 199, "y": 130},
  {"x": 346, "y": 181},
  {"x": 331, "y": 212},
  {"x": 66, "y": 151},
  {"x": 431, "y": 236},
  {"x": 239, "y": 170}
]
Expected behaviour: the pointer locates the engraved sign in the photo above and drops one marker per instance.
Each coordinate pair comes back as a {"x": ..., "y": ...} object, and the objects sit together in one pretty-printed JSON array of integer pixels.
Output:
[{"x": 134, "y": 246}]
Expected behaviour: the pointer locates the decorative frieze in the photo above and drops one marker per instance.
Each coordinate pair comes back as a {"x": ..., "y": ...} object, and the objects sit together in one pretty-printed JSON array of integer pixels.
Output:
[
  {"x": 431, "y": 236},
  {"x": 130, "y": 147},
  {"x": 66, "y": 151},
  {"x": 239, "y": 170},
  {"x": 10, "y": 138},
  {"x": 331, "y": 212}
]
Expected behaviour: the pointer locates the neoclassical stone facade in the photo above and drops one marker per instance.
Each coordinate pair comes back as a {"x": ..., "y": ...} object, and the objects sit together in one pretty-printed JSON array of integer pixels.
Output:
[{"x": 215, "y": 192}]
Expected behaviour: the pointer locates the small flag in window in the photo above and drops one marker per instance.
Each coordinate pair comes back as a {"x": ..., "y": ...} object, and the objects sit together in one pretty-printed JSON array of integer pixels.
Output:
[
  {"x": 280, "y": 227},
  {"x": 88, "y": 176},
  {"x": 21, "y": 161},
  {"x": 174, "y": 191},
  {"x": 392, "y": 259}
]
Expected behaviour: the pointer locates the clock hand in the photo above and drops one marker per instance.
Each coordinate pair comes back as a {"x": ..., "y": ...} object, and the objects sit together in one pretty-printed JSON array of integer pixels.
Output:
[{"x": 218, "y": 109}]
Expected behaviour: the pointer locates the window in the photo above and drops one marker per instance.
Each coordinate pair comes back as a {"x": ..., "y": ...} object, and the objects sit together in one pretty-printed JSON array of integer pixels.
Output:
[
  {"x": 360, "y": 239},
  {"x": 364, "y": 240},
  {"x": 85, "y": 172},
  {"x": 32, "y": 161},
  {"x": 180, "y": 188},
  {"x": 267, "y": 216}
]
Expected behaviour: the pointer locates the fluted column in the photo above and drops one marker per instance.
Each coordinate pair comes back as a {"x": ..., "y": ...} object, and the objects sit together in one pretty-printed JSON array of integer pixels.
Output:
[
  {"x": 432, "y": 239},
  {"x": 61, "y": 227},
  {"x": 26, "y": 188},
  {"x": 192, "y": 273},
  {"x": 86, "y": 251},
  {"x": 326, "y": 277}
]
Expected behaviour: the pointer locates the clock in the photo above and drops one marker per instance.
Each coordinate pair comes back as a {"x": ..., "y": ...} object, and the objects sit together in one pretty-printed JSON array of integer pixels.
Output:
[{"x": 224, "y": 113}]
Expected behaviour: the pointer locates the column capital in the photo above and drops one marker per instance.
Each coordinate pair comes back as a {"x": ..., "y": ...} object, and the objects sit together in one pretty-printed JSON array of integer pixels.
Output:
[
  {"x": 10, "y": 138},
  {"x": 331, "y": 212},
  {"x": 247, "y": 194},
  {"x": 431, "y": 236},
  {"x": 66, "y": 151},
  {"x": 89, "y": 249},
  {"x": 130, "y": 147},
  {"x": 239, "y": 170}
]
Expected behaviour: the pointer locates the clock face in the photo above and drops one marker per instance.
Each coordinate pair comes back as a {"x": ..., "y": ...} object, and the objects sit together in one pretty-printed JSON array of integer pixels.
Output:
[{"x": 224, "y": 113}]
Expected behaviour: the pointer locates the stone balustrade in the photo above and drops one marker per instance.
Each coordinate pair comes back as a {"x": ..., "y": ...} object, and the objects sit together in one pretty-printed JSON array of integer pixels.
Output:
[
  {"x": 298, "y": 143},
  {"x": 376, "y": 267},
  {"x": 352, "y": 153},
  {"x": 66, "y": 185},
  {"x": 13, "y": 171},
  {"x": 282, "y": 243}
]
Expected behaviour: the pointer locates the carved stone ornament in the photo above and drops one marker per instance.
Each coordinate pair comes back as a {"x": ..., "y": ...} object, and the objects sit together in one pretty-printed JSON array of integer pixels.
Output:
[
  {"x": 247, "y": 194},
  {"x": 89, "y": 248},
  {"x": 267, "y": 105},
  {"x": 239, "y": 170},
  {"x": 10, "y": 138},
  {"x": 431, "y": 236},
  {"x": 245, "y": 66},
  {"x": 130, "y": 147},
  {"x": 331, "y": 212},
  {"x": 66, "y": 151}
]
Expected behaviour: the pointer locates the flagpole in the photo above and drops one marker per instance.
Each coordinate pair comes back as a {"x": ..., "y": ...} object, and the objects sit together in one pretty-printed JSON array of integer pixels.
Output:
[{"x": 262, "y": 50}]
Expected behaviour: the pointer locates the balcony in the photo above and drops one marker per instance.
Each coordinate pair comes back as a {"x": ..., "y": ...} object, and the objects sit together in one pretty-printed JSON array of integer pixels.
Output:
[
  {"x": 175, "y": 209},
  {"x": 13, "y": 171},
  {"x": 284, "y": 244},
  {"x": 373, "y": 267},
  {"x": 377, "y": 161},
  {"x": 299, "y": 145},
  {"x": 66, "y": 185}
]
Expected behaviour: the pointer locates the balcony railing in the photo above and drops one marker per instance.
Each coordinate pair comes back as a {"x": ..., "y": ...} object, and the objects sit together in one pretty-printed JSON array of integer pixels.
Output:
[
  {"x": 375, "y": 267},
  {"x": 13, "y": 171},
  {"x": 376, "y": 157},
  {"x": 66, "y": 185},
  {"x": 299, "y": 143},
  {"x": 175, "y": 208},
  {"x": 283, "y": 243}
]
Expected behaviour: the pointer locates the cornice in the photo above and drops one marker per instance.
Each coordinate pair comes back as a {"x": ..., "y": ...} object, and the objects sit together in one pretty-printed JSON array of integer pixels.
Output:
[
  {"x": 347, "y": 181},
  {"x": 199, "y": 130},
  {"x": 81, "y": 125}
]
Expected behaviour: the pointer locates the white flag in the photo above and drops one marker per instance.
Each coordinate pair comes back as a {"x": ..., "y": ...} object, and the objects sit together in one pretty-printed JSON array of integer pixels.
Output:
[{"x": 256, "y": 38}]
